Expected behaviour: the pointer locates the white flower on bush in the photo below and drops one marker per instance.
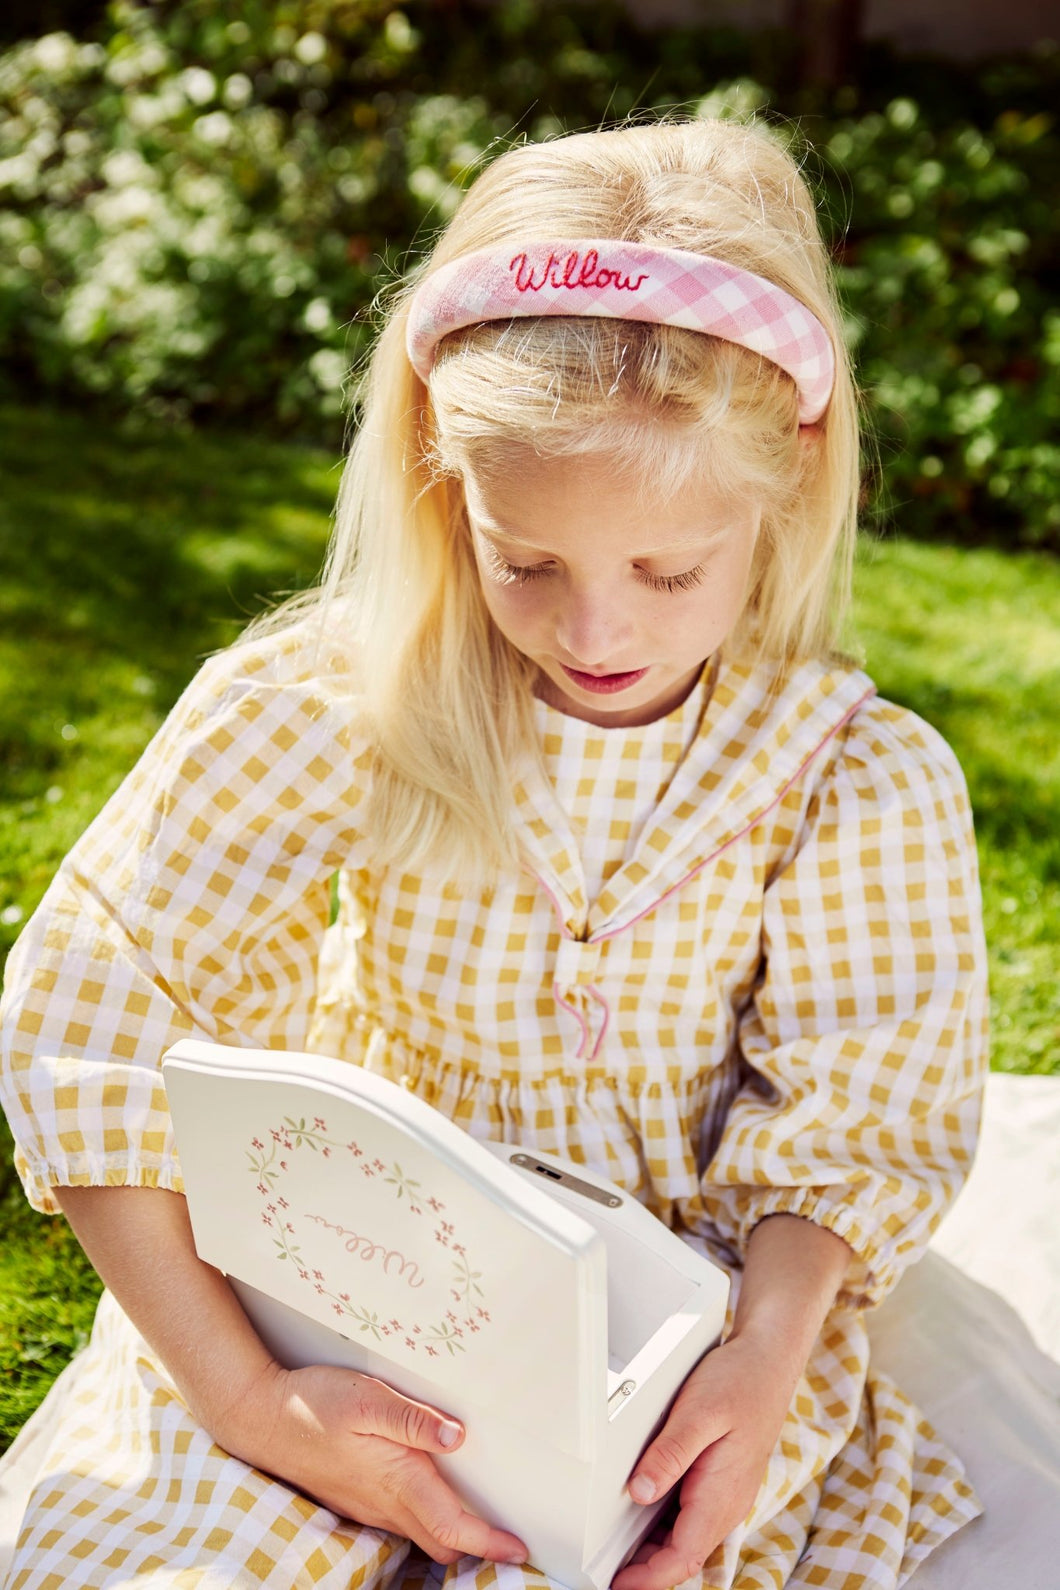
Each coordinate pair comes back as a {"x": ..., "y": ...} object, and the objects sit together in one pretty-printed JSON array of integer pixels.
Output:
[
  {"x": 237, "y": 90},
  {"x": 125, "y": 167},
  {"x": 19, "y": 176},
  {"x": 215, "y": 128},
  {"x": 328, "y": 369},
  {"x": 311, "y": 48},
  {"x": 136, "y": 62},
  {"x": 202, "y": 191},
  {"x": 122, "y": 207},
  {"x": 317, "y": 315},
  {"x": 432, "y": 189},
  {"x": 57, "y": 54},
  {"x": 144, "y": 111},
  {"x": 198, "y": 84}
]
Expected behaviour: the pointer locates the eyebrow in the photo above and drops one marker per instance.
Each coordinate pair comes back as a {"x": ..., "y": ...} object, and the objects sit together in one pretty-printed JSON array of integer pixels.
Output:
[{"x": 705, "y": 538}]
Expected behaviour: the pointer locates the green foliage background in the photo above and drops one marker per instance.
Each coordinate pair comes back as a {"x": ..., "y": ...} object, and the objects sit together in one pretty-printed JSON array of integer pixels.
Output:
[
  {"x": 199, "y": 204},
  {"x": 198, "y": 207}
]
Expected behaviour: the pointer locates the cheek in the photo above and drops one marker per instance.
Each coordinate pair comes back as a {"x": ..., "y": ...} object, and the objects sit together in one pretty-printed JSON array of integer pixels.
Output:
[{"x": 515, "y": 609}]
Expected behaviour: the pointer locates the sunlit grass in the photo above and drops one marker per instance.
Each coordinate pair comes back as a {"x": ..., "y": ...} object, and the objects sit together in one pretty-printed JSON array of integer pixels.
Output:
[
  {"x": 124, "y": 558},
  {"x": 971, "y": 640}
]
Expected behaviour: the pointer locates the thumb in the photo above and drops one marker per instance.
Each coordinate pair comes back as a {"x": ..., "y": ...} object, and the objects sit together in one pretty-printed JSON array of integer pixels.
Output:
[
  {"x": 670, "y": 1456},
  {"x": 380, "y": 1410}
]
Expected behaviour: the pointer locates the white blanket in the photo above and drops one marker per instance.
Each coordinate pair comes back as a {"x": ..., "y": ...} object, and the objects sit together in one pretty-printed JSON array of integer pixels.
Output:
[{"x": 972, "y": 1333}]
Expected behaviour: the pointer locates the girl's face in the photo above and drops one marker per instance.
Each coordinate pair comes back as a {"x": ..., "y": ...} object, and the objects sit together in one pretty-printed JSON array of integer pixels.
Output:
[{"x": 618, "y": 600}]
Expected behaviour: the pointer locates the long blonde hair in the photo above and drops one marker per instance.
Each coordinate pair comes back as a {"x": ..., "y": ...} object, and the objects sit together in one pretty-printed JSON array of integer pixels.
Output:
[{"x": 447, "y": 698}]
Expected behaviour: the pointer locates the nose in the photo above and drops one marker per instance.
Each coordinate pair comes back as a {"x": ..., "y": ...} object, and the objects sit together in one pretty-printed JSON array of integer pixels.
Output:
[{"x": 592, "y": 629}]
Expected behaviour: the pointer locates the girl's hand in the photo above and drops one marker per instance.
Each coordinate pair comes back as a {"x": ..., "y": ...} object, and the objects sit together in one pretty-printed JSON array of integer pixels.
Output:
[
  {"x": 361, "y": 1449},
  {"x": 728, "y": 1415},
  {"x": 719, "y": 1435}
]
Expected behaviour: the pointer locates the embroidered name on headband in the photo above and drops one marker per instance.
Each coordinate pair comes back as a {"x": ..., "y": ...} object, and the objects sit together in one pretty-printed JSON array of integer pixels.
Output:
[{"x": 626, "y": 281}]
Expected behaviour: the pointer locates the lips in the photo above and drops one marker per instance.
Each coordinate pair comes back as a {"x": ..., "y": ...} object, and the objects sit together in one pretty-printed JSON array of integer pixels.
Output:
[{"x": 604, "y": 684}]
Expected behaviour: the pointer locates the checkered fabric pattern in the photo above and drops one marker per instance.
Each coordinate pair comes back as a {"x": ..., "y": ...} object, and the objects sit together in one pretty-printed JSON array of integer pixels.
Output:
[
  {"x": 775, "y": 1001},
  {"x": 626, "y": 281},
  {"x": 610, "y": 784}
]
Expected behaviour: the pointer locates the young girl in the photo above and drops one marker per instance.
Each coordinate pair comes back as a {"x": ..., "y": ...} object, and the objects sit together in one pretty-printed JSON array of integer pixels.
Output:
[{"x": 632, "y": 867}]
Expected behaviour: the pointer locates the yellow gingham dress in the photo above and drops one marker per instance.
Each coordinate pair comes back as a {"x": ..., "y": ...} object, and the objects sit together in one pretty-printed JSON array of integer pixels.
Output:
[{"x": 769, "y": 996}]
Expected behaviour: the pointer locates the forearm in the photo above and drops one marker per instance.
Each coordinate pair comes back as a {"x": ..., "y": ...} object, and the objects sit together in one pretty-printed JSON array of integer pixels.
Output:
[
  {"x": 349, "y": 1441},
  {"x": 139, "y": 1239},
  {"x": 792, "y": 1273}
]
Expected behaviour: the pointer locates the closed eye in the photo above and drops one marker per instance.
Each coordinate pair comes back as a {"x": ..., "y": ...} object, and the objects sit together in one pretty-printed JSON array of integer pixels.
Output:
[
  {"x": 673, "y": 582},
  {"x": 514, "y": 573},
  {"x": 523, "y": 573}
]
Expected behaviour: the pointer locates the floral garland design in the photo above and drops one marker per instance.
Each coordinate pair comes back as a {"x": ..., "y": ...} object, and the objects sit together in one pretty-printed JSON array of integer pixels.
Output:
[{"x": 468, "y": 1317}]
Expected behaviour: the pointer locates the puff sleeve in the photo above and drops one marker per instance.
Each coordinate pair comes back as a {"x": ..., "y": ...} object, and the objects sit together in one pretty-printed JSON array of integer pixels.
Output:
[
  {"x": 863, "y": 1045},
  {"x": 194, "y": 904}
]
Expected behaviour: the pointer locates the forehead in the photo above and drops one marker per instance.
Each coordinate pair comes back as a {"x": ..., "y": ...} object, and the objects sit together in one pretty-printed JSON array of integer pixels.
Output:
[{"x": 547, "y": 501}]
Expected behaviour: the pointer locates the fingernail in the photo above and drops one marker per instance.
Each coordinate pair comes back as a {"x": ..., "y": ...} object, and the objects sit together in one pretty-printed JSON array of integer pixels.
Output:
[
  {"x": 641, "y": 1488},
  {"x": 514, "y": 1556},
  {"x": 449, "y": 1434}
]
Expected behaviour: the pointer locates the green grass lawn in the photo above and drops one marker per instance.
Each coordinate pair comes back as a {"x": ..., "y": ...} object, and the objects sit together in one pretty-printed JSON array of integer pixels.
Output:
[{"x": 125, "y": 555}]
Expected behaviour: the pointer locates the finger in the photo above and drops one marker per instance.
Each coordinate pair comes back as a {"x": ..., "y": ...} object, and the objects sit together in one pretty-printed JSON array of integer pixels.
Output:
[
  {"x": 662, "y": 1570},
  {"x": 687, "y": 1433},
  {"x": 444, "y": 1525},
  {"x": 377, "y": 1409},
  {"x": 698, "y": 1528}
]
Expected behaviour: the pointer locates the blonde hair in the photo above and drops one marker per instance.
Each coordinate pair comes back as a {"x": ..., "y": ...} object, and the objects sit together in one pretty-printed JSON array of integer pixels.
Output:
[{"x": 447, "y": 697}]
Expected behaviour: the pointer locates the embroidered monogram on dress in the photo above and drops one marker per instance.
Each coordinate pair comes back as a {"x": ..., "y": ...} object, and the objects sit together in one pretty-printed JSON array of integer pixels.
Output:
[{"x": 576, "y": 272}]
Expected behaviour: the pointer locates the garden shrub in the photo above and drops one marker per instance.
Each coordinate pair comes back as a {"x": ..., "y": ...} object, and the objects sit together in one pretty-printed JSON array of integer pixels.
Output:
[{"x": 198, "y": 207}]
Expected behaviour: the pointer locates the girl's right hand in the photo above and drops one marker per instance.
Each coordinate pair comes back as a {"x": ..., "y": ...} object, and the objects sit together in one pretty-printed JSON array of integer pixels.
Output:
[{"x": 363, "y": 1450}]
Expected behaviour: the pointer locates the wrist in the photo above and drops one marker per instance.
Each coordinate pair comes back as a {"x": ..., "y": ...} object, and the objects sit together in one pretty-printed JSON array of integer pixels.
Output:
[
  {"x": 792, "y": 1273},
  {"x": 247, "y": 1420}
]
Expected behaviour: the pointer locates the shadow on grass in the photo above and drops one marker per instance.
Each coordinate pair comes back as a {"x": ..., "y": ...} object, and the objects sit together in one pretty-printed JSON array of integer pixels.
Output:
[
  {"x": 147, "y": 549},
  {"x": 142, "y": 544}
]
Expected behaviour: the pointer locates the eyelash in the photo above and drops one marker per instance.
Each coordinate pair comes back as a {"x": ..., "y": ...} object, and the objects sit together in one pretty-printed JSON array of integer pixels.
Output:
[{"x": 516, "y": 574}]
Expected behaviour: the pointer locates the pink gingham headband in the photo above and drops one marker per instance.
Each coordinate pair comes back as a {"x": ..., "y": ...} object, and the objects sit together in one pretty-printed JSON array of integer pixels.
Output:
[{"x": 626, "y": 281}]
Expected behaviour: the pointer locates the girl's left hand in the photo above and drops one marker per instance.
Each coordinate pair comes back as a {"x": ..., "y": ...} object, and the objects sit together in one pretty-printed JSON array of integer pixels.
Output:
[{"x": 719, "y": 1434}]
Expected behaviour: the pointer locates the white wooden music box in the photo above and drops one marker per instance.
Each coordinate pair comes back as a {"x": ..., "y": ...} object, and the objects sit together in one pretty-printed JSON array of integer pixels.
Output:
[{"x": 540, "y": 1304}]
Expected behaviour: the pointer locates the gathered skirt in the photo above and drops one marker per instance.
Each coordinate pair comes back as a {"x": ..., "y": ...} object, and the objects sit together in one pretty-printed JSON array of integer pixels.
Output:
[{"x": 133, "y": 1491}]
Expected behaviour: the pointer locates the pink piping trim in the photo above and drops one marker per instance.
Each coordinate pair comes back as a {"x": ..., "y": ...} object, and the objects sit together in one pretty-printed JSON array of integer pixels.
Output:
[
  {"x": 602, "y": 1002},
  {"x": 648, "y": 909},
  {"x": 576, "y": 1013},
  {"x": 564, "y": 930},
  {"x": 698, "y": 868}
]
